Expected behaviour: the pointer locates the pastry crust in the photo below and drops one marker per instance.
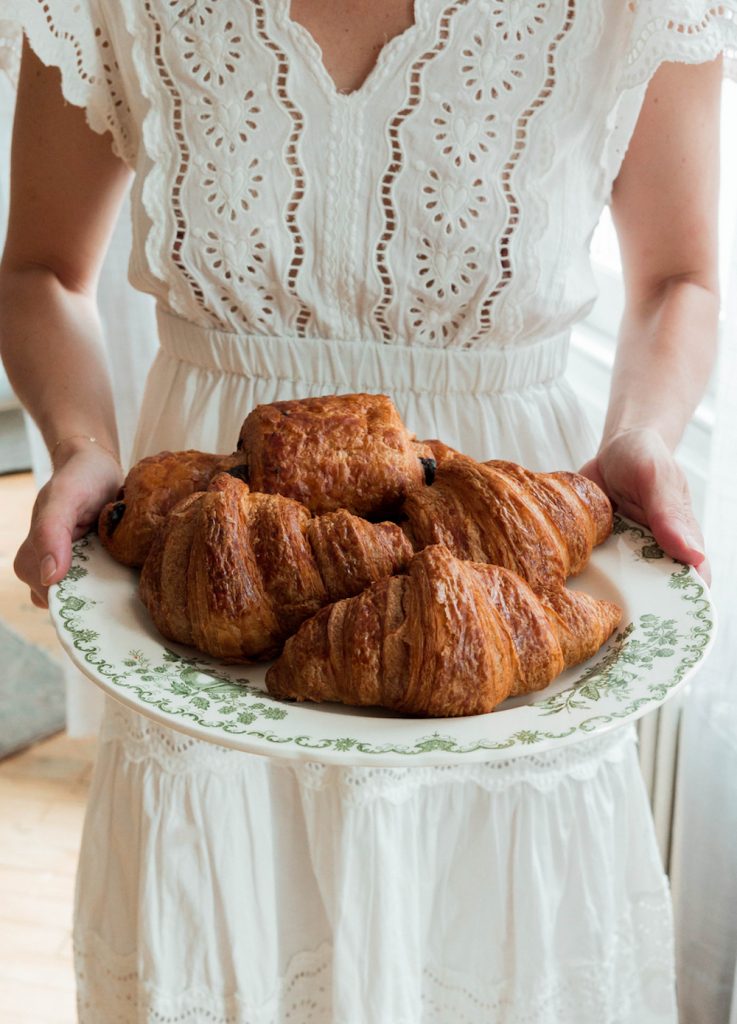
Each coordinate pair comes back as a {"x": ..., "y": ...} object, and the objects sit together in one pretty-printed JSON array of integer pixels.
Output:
[
  {"x": 338, "y": 451},
  {"x": 237, "y": 568},
  {"x": 335, "y": 451},
  {"x": 236, "y": 572},
  {"x": 128, "y": 525},
  {"x": 541, "y": 525},
  {"x": 450, "y": 638}
]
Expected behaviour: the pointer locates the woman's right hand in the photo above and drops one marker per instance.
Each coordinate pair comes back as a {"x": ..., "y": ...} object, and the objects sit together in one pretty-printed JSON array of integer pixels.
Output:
[{"x": 85, "y": 478}]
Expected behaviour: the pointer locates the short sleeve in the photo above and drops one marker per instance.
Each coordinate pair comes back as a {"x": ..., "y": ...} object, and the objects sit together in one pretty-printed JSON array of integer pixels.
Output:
[
  {"x": 74, "y": 37},
  {"x": 687, "y": 31}
]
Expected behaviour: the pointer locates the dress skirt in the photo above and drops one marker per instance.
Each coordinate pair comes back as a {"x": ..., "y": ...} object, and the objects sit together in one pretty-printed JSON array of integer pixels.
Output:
[{"x": 216, "y": 887}]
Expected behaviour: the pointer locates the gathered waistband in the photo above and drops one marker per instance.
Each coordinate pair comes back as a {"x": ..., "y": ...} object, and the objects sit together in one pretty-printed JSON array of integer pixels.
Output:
[{"x": 328, "y": 363}]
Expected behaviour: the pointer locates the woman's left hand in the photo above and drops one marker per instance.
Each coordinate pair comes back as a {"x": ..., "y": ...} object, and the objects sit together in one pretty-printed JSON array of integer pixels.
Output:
[{"x": 638, "y": 472}]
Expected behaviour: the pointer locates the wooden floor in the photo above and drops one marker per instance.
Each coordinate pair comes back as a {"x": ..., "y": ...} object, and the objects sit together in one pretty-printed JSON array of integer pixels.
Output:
[
  {"x": 42, "y": 797},
  {"x": 17, "y": 494}
]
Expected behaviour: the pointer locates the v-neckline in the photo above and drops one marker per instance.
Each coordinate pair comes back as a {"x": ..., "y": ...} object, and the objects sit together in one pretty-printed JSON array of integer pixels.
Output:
[{"x": 314, "y": 55}]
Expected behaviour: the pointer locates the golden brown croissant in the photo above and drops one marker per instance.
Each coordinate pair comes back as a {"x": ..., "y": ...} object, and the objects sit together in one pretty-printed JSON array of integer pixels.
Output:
[
  {"x": 128, "y": 525},
  {"x": 541, "y": 525},
  {"x": 236, "y": 572},
  {"x": 337, "y": 451},
  {"x": 449, "y": 638}
]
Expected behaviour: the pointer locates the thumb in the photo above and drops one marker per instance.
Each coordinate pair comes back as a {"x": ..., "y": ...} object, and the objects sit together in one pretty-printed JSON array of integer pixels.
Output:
[
  {"x": 51, "y": 537},
  {"x": 667, "y": 507}
]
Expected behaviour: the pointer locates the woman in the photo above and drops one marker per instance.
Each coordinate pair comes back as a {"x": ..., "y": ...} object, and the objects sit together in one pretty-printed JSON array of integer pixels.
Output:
[{"x": 319, "y": 209}]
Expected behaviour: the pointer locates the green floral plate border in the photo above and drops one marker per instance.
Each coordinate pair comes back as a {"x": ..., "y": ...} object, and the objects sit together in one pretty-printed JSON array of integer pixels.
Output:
[{"x": 668, "y": 627}]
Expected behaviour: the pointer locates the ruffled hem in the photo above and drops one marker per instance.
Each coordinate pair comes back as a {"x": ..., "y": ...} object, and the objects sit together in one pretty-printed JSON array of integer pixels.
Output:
[
  {"x": 207, "y": 885},
  {"x": 72, "y": 38},
  {"x": 633, "y": 983},
  {"x": 690, "y": 32}
]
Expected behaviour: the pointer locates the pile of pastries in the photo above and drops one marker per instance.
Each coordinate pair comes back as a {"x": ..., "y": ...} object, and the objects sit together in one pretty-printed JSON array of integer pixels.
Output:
[{"x": 375, "y": 568}]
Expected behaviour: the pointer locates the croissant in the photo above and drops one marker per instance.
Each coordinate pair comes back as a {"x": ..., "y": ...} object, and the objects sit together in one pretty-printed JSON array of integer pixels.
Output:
[
  {"x": 541, "y": 525},
  {"x": 449, "y": 638},
  {"x": 235, "y": 572},
  {"x": 128, "y": 525},
  {"x": 337, "y": 451}
]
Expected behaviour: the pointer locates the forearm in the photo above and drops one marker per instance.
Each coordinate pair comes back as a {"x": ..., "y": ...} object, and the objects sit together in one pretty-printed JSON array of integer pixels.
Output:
[
  {"x": 665, "y": 354},
  {"x": 50, "y": 340}
]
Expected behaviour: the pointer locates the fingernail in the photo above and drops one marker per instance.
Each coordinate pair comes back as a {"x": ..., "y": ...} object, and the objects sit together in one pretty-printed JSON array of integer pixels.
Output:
[
  {"x": 48, "y": 569},
  {"x": 695, "y": 545}
]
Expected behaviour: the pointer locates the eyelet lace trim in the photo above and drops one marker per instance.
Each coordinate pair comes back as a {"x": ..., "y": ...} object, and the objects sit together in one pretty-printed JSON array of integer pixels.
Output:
[
  {"x": 521, "y": 131},
  {"x": 634, "y": 978},
  {"x": 140, "y": 741},
  {"x": 110, "y": 990},
  {"x": 196, "y": 186},
  {"x": 543, "y": 772},
  {"x": 10, "y": 44},
  {"x": 184, "y": 157},
  {"x": 662, "y": 33},
  {"x": 74, "y": 39},
  {"x": 397, "y": 160},
  {"x": 292, "y": 158},
  {"x": 387, "y": 265}
]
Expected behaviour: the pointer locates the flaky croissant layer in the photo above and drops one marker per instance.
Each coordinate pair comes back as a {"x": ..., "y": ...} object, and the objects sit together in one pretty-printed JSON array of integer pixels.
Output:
[
  {"x": 235, "y": 573},
  {"x": 449, "y": 638},
  {"x": 541, "y": 525},
  {"x": 128, "y": 526}
]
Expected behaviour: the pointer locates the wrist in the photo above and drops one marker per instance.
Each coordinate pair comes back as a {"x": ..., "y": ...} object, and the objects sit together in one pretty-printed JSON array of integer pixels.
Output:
[
  {"x": 637, "y": 433},
  {"x": 74, "y": 444}
]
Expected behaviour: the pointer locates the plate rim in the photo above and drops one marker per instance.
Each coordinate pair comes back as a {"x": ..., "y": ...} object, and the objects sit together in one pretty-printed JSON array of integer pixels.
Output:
[{"x": 434, "y": 748}]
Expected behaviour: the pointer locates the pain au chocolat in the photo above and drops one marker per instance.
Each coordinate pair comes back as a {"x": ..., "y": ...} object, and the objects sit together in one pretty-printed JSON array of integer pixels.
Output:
[{"x": 336, "y": 451}]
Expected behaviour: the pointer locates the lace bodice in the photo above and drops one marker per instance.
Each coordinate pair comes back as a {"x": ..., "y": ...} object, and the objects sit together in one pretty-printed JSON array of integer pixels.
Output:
[{"x": 447, "y": 202}]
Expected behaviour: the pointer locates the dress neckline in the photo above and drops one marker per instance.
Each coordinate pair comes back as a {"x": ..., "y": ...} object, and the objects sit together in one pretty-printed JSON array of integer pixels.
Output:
[{"x": 312, "y": 52}]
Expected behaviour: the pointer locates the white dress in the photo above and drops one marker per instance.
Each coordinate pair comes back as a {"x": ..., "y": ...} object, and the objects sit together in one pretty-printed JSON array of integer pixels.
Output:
[{"x": 426, "y": 236}]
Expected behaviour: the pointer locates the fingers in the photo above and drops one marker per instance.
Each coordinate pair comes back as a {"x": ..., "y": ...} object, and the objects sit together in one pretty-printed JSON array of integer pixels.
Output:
[
  {"x": 46, "y": 554},
  {"x": 704, "y": 570},
  {"x": 646, "y": 484},
  {"x": 51, "y": 538},
  {"x": 665, "y": 503},
  {"x": 27, "y": 568},
  {"x": 39, "y": 574},
  {"x": 678, "y": 535},
  {"x": 65, "y": 509}
]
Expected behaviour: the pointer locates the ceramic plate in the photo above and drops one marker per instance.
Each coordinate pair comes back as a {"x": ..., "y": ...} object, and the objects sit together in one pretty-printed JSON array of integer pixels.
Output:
[{"x": 667, "y": 627}]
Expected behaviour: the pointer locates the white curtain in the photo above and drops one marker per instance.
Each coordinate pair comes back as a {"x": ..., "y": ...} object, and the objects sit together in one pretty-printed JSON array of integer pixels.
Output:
[{"x": 704, "y": 850}]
